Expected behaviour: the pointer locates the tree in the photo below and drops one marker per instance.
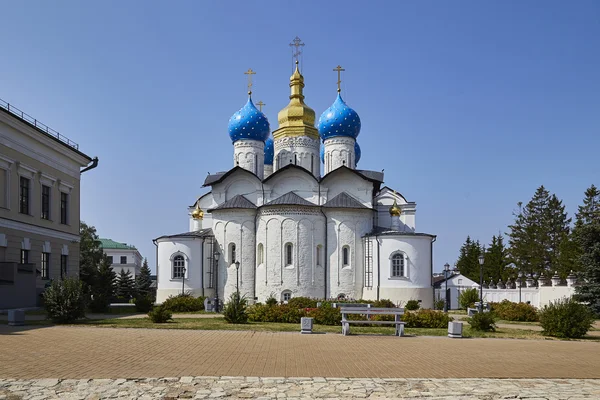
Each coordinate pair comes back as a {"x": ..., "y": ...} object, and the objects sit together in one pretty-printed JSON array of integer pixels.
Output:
[
  {"x": 586, "y": 235},
  {"x": 468, "y": 259},
  {"x": 143, "y": 281},
  {"x": 125, "y": 286},
  {"x": 104, "y": 286},
  {"x": 495, "y": 262},
  {"x": 558, "y": 225},
  {"x": 90, "y": 254}
]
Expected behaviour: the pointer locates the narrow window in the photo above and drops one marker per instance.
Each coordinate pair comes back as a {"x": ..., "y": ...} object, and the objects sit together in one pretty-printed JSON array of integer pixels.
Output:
[
  {"x": 231, "y": 253},
  {"x": 178, "y": 267},
  {"x": 346, "y": 256},
  {"x": 289, "y": 254},
  {"x": 397, "y": 265},
  {"x": 295, "y": 159},
  {"x": 64, "y": 204},
  {"x": 123, "y": 259},
  {"x": 64, "y": 261},
  {"x": 110, "y": 260},
  {"x": 45, "y": 267},
  {"x": 260, "y": 253},
  {"x": 45, "y": 202},
  {"x": 24, "y": 256},
  {"x": 312, "y": 163},
  {"x": 319, "y": 251},
  {"x": 24, "y": 196}
]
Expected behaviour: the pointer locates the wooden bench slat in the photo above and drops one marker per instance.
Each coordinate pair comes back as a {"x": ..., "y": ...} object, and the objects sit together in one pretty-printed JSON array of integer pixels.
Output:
[{"x": 374, "y": 322}]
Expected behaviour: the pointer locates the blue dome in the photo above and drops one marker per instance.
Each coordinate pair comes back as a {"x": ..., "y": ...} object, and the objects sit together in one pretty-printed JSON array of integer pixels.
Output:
[
  {"x": 269, "y": 151},
  {"x": 248, "y": 123},
  {"x": 339, "y": 120},
  {"x": 356, "y": 153},
  {"x": 322, "y": 154}
]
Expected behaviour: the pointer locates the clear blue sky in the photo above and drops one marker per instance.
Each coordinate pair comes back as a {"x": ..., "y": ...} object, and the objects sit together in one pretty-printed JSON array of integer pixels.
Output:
[{"x": 469, "y": 106}]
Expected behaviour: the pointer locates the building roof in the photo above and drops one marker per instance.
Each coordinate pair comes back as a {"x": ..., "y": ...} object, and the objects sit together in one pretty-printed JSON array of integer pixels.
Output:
[
  {"x": 195, "y": 234},
  {"x": 238, "y": 201},
  {"x": 112, "y": 245},
  {"x": 372, "y": 175},
  {"x": 212, "y": 179},
  {"x": 383, "y": 231},
  {"x": 290, "y": 198},
  {"x": 344, "y": 200},
  {"x": 287, "y": 167}
]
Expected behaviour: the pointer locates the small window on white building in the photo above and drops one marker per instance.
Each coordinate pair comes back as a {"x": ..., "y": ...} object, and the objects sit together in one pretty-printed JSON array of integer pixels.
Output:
[
  {"x": 286, "y": 295},
  {"x": 231, "y": 253},
  {"x": 398, "y": 266},
  {"x": 460, "y": 281},
  {"x": 319, "y": 255},
  {"x": 346, "y": 256},
  {"x": 289, "y": 254},
  {"x": 178, "y": 267},
  {"x": 261, "y": 254}
]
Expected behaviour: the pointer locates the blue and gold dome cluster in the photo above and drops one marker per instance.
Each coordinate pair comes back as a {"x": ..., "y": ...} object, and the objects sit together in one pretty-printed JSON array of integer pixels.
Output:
[
  {"x": 248, "y": 124},
  {"x": 339, "y": 120},
  {"x": 269, "y": 151}
]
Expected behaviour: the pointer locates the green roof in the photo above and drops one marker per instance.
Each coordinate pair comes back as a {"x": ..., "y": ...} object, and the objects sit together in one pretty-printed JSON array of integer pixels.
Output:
[{"x": 111, "y": 244}]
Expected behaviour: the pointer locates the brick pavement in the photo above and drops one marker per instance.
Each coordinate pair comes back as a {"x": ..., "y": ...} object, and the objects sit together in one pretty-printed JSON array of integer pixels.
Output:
[{"x": 93, "y": 352}]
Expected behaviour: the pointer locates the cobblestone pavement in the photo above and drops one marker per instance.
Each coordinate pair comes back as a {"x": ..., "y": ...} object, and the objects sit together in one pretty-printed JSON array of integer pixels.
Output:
[{"x": 306, "y": 388}]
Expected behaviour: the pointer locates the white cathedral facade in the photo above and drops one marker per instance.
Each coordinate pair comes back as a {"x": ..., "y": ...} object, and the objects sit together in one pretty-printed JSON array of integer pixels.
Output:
[{"x": 273, "y": 226}]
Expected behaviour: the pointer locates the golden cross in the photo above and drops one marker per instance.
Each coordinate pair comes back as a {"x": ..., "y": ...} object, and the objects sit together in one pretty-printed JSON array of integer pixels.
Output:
[
  {"x": 249, "y": 73},
  {"x": 260, "y": 105},
  {"x": 339, "y": 70},
  {"x": 296, "y": 50}
]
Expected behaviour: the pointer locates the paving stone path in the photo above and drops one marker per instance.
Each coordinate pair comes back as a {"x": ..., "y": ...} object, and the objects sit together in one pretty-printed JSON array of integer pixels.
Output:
[{"x": 299, "y": 388}]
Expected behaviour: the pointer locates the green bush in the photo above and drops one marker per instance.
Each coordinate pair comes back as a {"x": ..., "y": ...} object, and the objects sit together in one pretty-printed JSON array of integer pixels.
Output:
[
  {"x": 65, "y": 300},
  {"x": 485, "y": 322},
  {"x": 326, "y": 314},
  {"x": 426, "y": 319},
  {"x": 160, "y": 315},
  {"x": 302, "y": 302},
  {"x": 468, "y": 298},
  {"x": 509, "y": 311},
  {"x": 184, "y": 303},
  {"x": 566, "y": 319},
  {"x": 383, "y": 303},
  {"x": 277, "y": 313},
  {"x": 412, "y": 305},
  {"x": 235, "y": 309},
  {"x": 271, "y": 301},
  {"x": 439, "y": 305},
  {"x": 144, "y": 304},
  {"x": 99, "y": 303}
]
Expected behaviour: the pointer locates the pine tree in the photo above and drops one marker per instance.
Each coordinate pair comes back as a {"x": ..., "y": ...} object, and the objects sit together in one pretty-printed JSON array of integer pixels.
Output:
[
  {"x": 586, "y": 235},
  {"x": 558, "y": 225},
  {"x": 468, "y": 259},
  {"x": 104, "y": 286},
  {"x": 143, "y": 281},
  {"x": 495, "y": 262},
  {"x": 90, "y": 254},
  {"x": 125, "y": 286}
]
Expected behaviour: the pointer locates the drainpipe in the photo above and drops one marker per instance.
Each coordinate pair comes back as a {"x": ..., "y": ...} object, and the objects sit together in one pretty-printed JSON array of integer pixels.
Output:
[
  {"x": 94, "y": 165},
  {"x": 156, "y": 244},
  {"x": 202, "y": 264},
  {"x": 325, "y": 255},
  {"x": 378, "y": 266},
  {"x": 431, "y": 271}
]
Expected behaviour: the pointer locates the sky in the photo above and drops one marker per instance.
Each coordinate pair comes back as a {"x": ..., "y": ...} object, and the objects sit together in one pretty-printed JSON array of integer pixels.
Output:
[{"x": 469, "y": 106}]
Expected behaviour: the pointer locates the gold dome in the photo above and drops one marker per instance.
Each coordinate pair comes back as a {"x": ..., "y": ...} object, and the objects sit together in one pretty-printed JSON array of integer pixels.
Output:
[
  {"x": 197, "y": 213},
  {"x": 296, "y": 119},
  {"x": 395, "y": 211}
]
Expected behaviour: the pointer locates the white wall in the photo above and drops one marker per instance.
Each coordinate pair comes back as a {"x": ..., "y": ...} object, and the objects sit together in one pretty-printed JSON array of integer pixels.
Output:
[
  {"x": 383, "y": 202},
  {"x": 191, "y": 249},
  {"x": 536, "y": 296},
  {"x": 339, "y": 151},
  {"x": 134, "y": 260},
  {"x": 250, "y": 155}
]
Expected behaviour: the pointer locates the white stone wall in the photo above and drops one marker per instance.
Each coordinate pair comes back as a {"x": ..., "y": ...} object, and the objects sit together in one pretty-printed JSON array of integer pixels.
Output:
[
  {"x": 301, "y": 183},
  {"x": 301, "y": 150},
  {"x": 191, "y": 249},
  {"x": 304, "y": 228},
  {"x": 346, "y": 181},
  {"x": 133, "y": 264},
  {"x": 383, "y": 202},
  {"x": 268, "y": 170},
  {"x": 339, "y": 151},
  {"x": 536, "y": 296},
  {"x": 249, "y": 154}
]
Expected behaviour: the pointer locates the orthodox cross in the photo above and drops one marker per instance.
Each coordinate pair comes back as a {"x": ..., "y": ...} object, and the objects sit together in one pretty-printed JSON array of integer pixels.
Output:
[
  {"x": 339, "y": 70},
  {"x": 260, "y": 105},
  {"x": 296, "y": 48},
  {"x": 249, "y": 73}
]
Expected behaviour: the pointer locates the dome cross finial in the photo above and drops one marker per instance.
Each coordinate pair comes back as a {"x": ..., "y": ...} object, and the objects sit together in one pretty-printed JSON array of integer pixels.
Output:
[
  {"x": 296, "y": 46},
  {"x": 249, "y": 73},
  {"x": 260, "y": 105},
  {"x": 339, "y": 70}
]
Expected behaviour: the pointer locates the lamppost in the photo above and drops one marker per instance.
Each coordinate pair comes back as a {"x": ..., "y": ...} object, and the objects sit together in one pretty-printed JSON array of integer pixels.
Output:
[
  {"x": 216, "y": 256},
  {"x": 446, "y": 270},
  {"x": 520, "y": 283},
  {"x": 237, "y": 278},
  {"x": 481, "y": 260},
  {"x": 182, "y": 281}
]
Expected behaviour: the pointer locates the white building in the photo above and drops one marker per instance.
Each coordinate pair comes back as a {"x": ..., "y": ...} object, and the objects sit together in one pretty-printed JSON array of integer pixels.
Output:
[
  {"x": 122, "y": 257},
  {"x": 455, "y": 284},
  {"x": 274, "y": 226}
]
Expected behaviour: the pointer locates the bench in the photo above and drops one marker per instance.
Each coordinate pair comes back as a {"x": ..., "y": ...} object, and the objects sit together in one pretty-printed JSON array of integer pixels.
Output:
[{"x": 368, "y": 312}]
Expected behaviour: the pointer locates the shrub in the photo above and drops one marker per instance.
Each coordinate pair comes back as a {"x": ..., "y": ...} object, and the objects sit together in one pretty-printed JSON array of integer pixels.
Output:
[
  {"x": 160, "y": 315},
  {"x": 302, "y": 302},
  {"x": 412, "y": 305},
  {"x": 509, "y": 311},
  {"x": 184, "y": 303},
  {"x": 326, "y": 314},
  {"x": 277, "y": 313},
  {"x": 468, "y": 298},
  {"x": 383, "y": 303},
  {"x": 99, "y": 303},
  {"x": 235, "y": 310},
  {"x": 65, "y": 300},
  {"x": 426, "y": 319},
  {"x": 144, "y": 304},
  {"x": 271, "y": 301},
  {"x": 566, "y": 319},
  {"x": 485, "y": 322},
  {"x": 439, "y": 305}
]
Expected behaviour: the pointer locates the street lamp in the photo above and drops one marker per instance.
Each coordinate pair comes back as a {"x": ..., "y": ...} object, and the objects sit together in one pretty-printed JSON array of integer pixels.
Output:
[
  {"x": 481, "y": 260},
  {"x": 446, "y": 270},
  {"x": 520, "y": 282},
  {"x": 237, "y": 278},
  {"x": 183, "y": 281},
  {"x": 216, "y": 256}
]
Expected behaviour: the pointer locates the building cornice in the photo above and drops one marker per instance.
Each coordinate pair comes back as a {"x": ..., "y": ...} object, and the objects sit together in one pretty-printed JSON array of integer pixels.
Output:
[{"x": 37, "y": 230}]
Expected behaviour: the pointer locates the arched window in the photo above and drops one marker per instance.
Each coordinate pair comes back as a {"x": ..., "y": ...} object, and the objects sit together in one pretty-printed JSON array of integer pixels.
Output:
[
  {"x": 346, "y": 256},
  {"x": 286, "y": 295},
  {"x": 260, "y": 256},
  {"x": 178, "y": 267},
  {"x": 398, "y": 269},
  {"x": 231, "y": 253},
  {"x": 319, "y": 255},
  {"x": 289, "y": 254}
]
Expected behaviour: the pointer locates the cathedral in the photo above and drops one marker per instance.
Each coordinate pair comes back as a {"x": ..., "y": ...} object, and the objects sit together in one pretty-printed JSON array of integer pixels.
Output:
[{"x": 274, "y": 226}]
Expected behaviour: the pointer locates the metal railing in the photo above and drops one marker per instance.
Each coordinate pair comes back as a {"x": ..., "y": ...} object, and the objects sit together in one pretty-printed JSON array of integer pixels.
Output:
[{"x": 37, "y": 124}]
